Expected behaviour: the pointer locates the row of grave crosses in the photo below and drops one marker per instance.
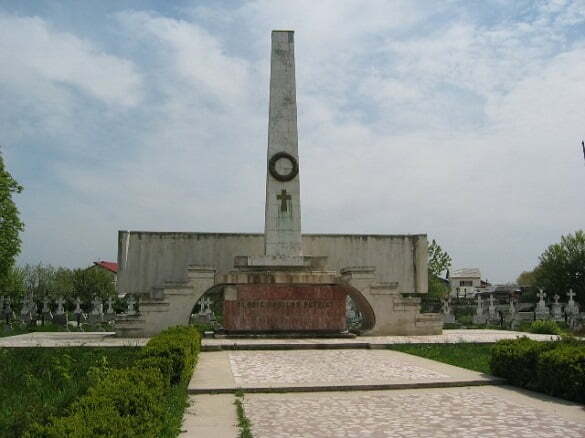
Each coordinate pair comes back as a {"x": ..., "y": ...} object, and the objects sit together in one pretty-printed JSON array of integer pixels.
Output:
[
  {"x": 29, "y": 306},
  {"x": 542, "y": 311}
]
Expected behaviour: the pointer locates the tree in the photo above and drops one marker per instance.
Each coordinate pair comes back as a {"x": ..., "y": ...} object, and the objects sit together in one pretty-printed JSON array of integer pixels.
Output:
[
  {"x": 439, "y": 262},
  {"x": 527, "y": 278},
  {"x": 562, "y": 267},
  {"x": 10, "y": 224},
  {"x": 91, "y": 282}
]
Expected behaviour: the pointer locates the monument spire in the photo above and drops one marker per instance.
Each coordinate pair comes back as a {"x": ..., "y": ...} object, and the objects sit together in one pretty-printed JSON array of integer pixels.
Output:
[{"x": 282, "y": 231}]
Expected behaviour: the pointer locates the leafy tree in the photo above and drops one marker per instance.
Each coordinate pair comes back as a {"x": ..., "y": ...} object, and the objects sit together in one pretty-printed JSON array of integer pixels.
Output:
[
  {"x": 527, "y": 278},
  {"x": 562, "y": 266},
  {"x": 10, "y": 224},
  {"x": 91, "y": 282},
  {"x": 439, "y": 262}
]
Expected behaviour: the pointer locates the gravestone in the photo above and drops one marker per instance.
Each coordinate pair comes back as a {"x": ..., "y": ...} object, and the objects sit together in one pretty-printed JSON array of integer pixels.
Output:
[
  {"x": 46, "y": 314},
  {"x": 109, "y": 314},
  {"x": 95, "y": 316},
  {"x": 493, "y": 316},
  {"x": 78, "y": 312},
  {"x": 60, "y": 317},
  {"x": 479, "y": 317},
  {"x": 556, "y": 309},
  {"x": 447, "y": 312},
  {"x": 541, "y": 312}
]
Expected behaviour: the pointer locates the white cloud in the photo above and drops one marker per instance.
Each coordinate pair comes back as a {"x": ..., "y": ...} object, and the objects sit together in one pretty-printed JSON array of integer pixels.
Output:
[
  {"x": 462, "y": 128},
  {"x": 30, "y": 49}
]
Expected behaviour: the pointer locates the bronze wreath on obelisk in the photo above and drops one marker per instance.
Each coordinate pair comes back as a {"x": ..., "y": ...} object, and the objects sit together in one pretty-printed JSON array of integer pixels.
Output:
[{"x": 283, "y": 177}]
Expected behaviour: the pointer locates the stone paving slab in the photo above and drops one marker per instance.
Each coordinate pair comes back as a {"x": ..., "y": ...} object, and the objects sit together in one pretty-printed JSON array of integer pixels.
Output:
[
  {"x": 70, "y": 339},
  {"x": 448, "y": 337},
  {"x": 325, "y": 370},
  {"x": 108, "y": 339},
  {"x": 211, "y": 416},
  {"x": 469, "y": 412}
]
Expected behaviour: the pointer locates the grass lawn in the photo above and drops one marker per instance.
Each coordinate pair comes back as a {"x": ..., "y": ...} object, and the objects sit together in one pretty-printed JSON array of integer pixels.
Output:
[
  {"x": 36, "y": 383},
  {"x": 472, "y": 356}
]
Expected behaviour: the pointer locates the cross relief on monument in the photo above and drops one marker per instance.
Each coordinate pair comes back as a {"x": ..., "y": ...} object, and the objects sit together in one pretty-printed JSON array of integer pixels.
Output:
[{"x": 284, "y": 204}]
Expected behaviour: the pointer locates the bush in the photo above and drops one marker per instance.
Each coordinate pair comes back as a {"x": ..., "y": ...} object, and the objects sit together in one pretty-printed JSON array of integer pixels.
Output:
[
  {"x": 515, "y": 360},
  {"x": 561, "y": 372},
  {"x": 179, "y": 346},
  {"x": 545, "y": 327},
  {"x": 131, "y": 402},
  {"x": 556, "y": 368}
]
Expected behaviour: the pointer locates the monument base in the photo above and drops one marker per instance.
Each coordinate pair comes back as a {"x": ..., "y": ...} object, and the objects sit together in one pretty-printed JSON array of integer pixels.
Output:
[{"x": 274, "y": 308}]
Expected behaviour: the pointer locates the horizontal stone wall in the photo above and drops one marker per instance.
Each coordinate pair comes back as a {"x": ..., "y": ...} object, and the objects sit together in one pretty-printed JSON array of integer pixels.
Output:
[{"x": 148, "y": 259}]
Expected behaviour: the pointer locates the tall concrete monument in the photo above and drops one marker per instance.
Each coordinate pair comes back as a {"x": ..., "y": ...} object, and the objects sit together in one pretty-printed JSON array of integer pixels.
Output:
[
  {"x": 282, "y": 231},
  {"x": 282, "y": 280}
]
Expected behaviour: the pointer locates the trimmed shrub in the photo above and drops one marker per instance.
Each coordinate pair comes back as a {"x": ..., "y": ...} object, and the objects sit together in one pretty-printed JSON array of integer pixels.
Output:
[
  {"x": 545, "y": 327},
  {"x": 515, "y": 360},
  {"x": 561, "y": 372},
  {"x": 131, "y": 402},
  {"x": 180, "y": 345}
]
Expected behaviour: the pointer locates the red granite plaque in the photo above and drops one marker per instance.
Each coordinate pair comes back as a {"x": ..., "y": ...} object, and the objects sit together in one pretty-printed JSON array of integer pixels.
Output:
[{"x": 286, "y": 307}]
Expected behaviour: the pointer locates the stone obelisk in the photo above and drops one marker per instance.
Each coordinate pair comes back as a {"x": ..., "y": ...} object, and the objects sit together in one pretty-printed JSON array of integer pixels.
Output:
[{"x": 282, "y": 233}]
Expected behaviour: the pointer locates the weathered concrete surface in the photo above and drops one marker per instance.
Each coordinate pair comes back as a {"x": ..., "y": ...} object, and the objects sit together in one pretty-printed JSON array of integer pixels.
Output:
[
  {"x": 107, "y": 339},
  {"x": 371, "y": 342},
  {"x": 168, "y": 306},
  {"x": 471, "y": 412},
  {"x": 149, "y": 259},
  {"x": 210, "y": 416},
  {"x": 394, "y": 314},
  {"x": 283, "y": 196},
  {"x": 70, "y": 339},
  {"x": 325, "y": 370}
]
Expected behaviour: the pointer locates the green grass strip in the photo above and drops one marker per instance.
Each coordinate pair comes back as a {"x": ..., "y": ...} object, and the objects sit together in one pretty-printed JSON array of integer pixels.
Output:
[
  {"x": 243, "y": 422},
  {"x": 471, "y": 356}
]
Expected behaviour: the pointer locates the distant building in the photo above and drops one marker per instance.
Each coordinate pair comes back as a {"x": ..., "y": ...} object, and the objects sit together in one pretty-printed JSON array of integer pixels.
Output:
[
  {"x": 110, "y": 267},
  {"x": 465, "y": 282}
]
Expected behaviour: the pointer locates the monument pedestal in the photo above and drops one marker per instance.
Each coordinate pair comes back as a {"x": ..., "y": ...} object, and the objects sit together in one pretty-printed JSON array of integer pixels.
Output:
[
  {"x": 271, "y": 308},
  {"x": 270, "y": 299}
]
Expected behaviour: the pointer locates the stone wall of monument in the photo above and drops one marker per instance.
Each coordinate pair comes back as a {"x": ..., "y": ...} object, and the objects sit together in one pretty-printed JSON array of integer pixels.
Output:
[{"x": 148, "y": 259}]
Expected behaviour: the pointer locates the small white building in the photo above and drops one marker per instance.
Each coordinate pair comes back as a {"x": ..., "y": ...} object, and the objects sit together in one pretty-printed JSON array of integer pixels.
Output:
[{"x": 465, "y": 282}]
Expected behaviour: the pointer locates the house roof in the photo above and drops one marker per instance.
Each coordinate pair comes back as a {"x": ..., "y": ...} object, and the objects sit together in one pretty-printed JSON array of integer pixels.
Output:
[
  {"x": 466, "y": 272},
  {"x": 110, "y": 266}
]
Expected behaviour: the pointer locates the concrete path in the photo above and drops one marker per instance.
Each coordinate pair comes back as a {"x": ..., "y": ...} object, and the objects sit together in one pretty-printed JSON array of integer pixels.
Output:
[
  {"x": 325, "y": 370},
  {"x": 469, "y": 412},
  {"x": 70, "y": 339},
  {"x": 107, "y": 339},
  {"x": 448, "y": 337},
  {"x": 211, "y": 416}
]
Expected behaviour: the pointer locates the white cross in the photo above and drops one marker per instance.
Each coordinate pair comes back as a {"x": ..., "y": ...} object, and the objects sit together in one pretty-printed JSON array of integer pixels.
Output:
[
  {"x": 97, "y": 306},
  {"x": 541, "y": 294},
  {"x": 110, "y": 308},
  {"x": 131, "y": 302},
  {"x": 491, "y": 300},
  {"x": 25, "y": 306},
  {"x": 45, "y": 305},
  {"x": 571, "y": 294},
  {"x": 60, "y": 310},
  {"x": 77, "y": 310}
]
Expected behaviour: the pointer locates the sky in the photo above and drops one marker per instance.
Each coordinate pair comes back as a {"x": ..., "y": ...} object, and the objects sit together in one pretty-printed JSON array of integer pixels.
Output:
[{"x": 459, "y": 119}]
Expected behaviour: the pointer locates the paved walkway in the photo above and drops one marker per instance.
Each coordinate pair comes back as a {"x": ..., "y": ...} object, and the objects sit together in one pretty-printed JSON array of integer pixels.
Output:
[
  {"x": 107, "y": 339},
  {"x": 448, "y": 337},
  {"x": 324, "y": 370},
  {"x": 469, "y": 412},
  {"x": 323, "y": 381}
]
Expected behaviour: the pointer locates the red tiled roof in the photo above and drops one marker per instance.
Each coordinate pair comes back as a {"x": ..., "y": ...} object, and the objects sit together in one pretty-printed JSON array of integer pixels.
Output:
[{"x": 110, "y": 266}]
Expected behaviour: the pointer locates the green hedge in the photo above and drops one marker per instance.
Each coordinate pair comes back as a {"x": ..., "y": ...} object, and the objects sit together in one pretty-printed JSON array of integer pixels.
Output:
[
  {"x": 131, "y": 402},
  {"x": 555, "y": 368}
]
